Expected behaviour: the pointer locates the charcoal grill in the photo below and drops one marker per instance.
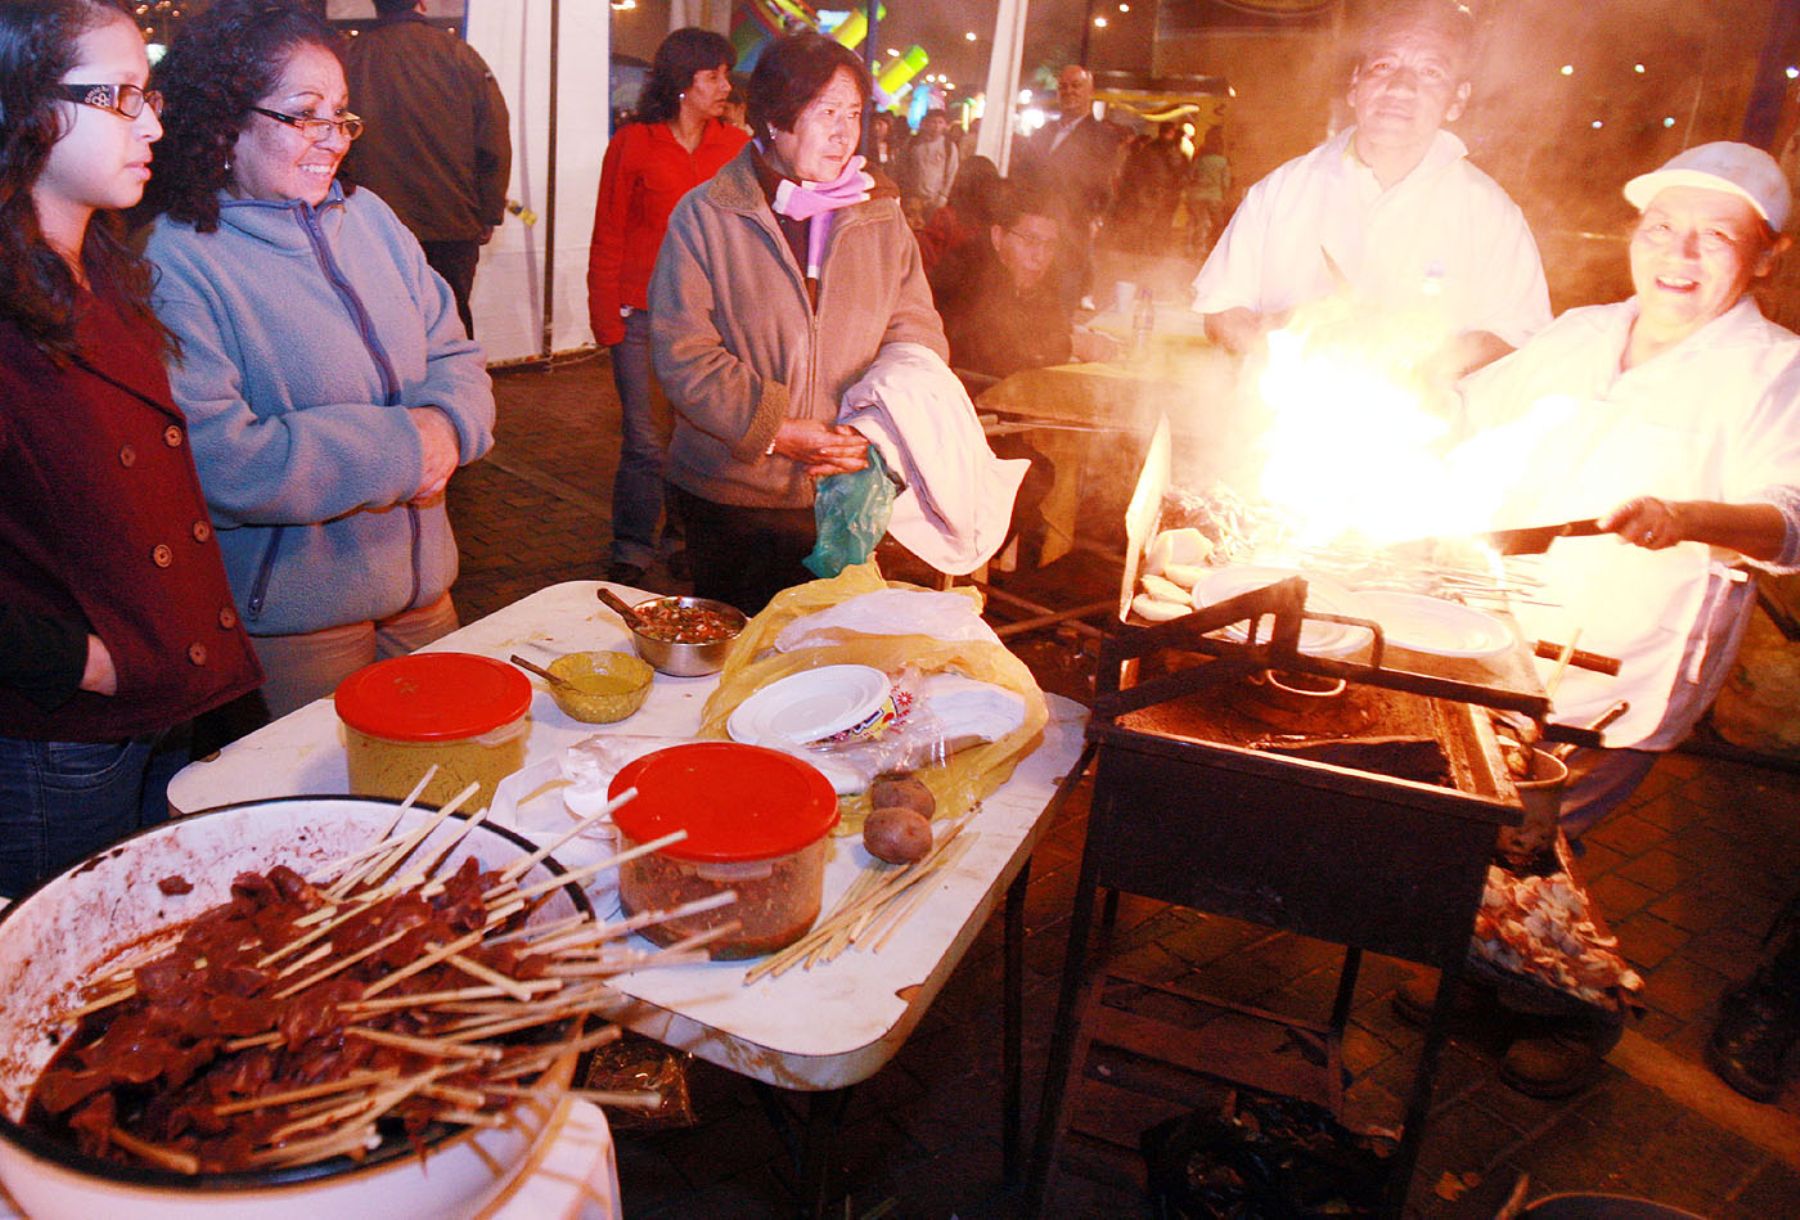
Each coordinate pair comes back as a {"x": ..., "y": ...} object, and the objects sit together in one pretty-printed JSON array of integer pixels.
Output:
[{"x": 1190, "y": 809}]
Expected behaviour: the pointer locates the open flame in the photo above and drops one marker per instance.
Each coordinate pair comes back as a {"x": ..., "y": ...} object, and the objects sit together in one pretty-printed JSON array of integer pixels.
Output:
[{"x": 1355, "y": 446}]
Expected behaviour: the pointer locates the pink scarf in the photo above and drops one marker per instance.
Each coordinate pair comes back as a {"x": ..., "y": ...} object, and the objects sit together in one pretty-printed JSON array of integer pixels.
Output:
[{"x": 815, "y": 202}]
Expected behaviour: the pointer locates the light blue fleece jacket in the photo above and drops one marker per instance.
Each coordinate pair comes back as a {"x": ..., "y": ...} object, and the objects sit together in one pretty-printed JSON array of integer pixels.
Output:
[{"x": 305, "y": 332}]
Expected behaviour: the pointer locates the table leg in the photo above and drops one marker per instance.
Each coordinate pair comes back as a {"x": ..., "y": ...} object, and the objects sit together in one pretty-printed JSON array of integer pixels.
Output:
[
  {"x": 1418, "y": 1105},
  {"x": 813, "y": 1148},
  {"x": 1012, "y": 1020}
]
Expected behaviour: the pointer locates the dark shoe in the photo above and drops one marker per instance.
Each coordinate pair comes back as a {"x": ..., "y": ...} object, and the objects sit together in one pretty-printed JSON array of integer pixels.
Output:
[
  {"x": 1417, "y": 996},
  {"x": 1756, "y": 1030},
  {"x": 625, "y": 574},
  {"x": 1560, "y": 1063}
]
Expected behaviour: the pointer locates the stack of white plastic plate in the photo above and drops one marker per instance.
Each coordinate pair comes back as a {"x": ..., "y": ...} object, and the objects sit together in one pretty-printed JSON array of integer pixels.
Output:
[{"x": 811, "y": 705}]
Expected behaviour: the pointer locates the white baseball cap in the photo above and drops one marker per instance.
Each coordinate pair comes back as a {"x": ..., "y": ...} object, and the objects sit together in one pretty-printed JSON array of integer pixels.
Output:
[{"x": 1724, "y": 165}]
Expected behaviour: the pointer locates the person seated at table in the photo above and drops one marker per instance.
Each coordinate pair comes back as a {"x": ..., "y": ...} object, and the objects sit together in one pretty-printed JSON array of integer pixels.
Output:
[
  {"x": 1000, "y": 299},
  {"x": 779, "y": 283},
  {"x": 1390, "y": 210},
  {"x": 116, "y": 623},
  {"x": 330, "y": 384},
  {"x": 968, "y": 213},
  {"x": 1674, "y": 418}
]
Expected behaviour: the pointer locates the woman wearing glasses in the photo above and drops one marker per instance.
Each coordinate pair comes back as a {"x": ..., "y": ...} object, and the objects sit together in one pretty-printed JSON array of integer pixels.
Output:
[
  {"x": 116, "y": 622},
  {"x": 332, "y": 389}
]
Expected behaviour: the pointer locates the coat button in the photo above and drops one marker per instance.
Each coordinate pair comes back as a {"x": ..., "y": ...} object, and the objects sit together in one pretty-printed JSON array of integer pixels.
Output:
[
  {"x": 161, "y": 555},
  {"x": 202, "y": 531},
  {"x": 228, "y": 618},
  {"x": 172, "y": 437},
  {"x": 197, "y": 653},
  {"x": 127, "y": 455}
]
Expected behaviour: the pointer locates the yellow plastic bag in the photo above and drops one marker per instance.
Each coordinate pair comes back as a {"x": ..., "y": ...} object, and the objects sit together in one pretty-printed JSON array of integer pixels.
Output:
[{"x": 967, "y": 776}]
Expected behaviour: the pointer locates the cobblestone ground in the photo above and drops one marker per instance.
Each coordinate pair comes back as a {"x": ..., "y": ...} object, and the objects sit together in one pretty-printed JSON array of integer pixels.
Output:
[{"x": 1689, "y": 875}]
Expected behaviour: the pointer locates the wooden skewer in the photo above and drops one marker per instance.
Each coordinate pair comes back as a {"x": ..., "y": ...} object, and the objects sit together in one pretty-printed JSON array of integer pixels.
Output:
[
  {"x": 436, "y": 954},
  {"x": 589, "y": 870},
  {"x": 355, "y": 1080},
  {"x": 340, "y": 964},
  {"x": 244, "y": 1044},
  {"x": 473, "y": 1118},
  {"x": 493, "y": 978},
  {"x": 455, "y": 1095},
  {"x": 417, "y": 836},
  {"x": 383, "y": 841},
  {"x": 543, "y": 931},
  {"x": 323, "y": 929},
  {"x": 156, "y": 1154},
  {"x": 1562, "y": 664},
  {"x": 439, "y": 1048},
  {"x": 628, "y": 962},
  {"x": 324, "y": 1117},
  {"x": 432, "y": 999},
  {"x": 105, "y": 1001},
  {"x": 518, "y": 868},
  {"x": 336, "y": 1143},
  {"x": 540, "y": 671},
  {"x": 601, "y": 933},
  {"x": 642, "y": 1099},
  {"x": 301, "y": 963},
  {"x": 430, "y": 868},
  {"x": 537, "y": 1060}
]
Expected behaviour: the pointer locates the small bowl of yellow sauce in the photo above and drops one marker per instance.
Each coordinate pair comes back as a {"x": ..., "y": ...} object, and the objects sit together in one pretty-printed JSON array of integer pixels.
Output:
[{"x": 602, "y": 686}]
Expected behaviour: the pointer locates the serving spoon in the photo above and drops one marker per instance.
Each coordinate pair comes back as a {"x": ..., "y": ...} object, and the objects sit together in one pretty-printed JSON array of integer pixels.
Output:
[
  {"x": 540, "y": 671},
  {"x": 620, "y": 607}
]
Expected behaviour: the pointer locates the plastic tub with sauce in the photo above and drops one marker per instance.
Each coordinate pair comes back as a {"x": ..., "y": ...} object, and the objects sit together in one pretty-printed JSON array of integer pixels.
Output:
[
  {"x": 465, "y": 713},
  {"x": 758, "y": 822}
]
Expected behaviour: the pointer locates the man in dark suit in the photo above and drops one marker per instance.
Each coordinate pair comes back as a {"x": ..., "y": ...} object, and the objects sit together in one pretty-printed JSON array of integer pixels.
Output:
[{"x": 1076, "y": 159}]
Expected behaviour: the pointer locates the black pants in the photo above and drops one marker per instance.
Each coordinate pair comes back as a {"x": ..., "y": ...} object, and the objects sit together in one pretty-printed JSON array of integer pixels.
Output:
[
  {"x": 744, "y": 556},
  {"x": 455, "y": 261}
]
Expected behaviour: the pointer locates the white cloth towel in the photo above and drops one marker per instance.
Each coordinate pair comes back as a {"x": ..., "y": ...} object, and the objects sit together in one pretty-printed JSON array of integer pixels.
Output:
[
  {"x": 943, "y": 616},
  {"x": 958, "y": 501}
]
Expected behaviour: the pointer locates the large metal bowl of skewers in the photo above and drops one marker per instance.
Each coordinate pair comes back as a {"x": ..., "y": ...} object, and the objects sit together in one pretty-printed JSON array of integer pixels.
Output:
[{"x": 300, "y": 1007}]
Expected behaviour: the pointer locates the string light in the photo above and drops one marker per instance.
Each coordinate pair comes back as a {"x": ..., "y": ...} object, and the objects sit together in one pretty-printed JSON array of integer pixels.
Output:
[
  {"x": 1668, "y": 120},
  {"x": 969, "y": 37},
  {"x": 1100, "y": 22},
  {"x": 1567, "y": 69},
  {"x": 1793, "y": 72},
  {"x": 1638, "y": 68}
]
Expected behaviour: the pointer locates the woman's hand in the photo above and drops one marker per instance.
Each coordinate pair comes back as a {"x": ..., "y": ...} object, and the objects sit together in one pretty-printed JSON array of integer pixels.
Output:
[
  {"x": 98, "y": 675},
  {"x": 824, "y": 449},
  {"x": 442, "y": 452},
  {"x": 1757, "y": 531},
  {"x": 1094, "y": 347},
  {"x": 1646, "y": 521}
]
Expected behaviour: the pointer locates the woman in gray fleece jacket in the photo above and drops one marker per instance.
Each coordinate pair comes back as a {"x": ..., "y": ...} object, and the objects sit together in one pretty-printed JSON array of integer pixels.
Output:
[
  {"x": 763, "y": 312},
  {"x": 329, "y": 382}
]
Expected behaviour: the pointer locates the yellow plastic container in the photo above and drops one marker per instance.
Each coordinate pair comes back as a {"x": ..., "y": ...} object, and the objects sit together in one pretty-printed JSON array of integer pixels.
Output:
[{"x": 466, "y": 714}]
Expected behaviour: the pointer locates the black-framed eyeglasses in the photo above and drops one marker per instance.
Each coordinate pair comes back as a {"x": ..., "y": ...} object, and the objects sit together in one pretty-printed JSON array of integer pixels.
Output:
[
  {"x": 316, "y": 129},
  {"x": 127, "y": 101}
]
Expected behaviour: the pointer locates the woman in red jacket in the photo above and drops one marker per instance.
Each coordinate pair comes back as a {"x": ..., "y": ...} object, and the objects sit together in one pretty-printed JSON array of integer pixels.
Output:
[
  {"x": 676, "y": 142},
  {"x": 116, "y": 621}
]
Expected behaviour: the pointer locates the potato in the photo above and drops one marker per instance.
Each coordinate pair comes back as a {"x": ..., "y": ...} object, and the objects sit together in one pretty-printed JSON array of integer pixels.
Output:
[
  {"x": 904, "y": 792},
  {"x": 897, "y": 835}
]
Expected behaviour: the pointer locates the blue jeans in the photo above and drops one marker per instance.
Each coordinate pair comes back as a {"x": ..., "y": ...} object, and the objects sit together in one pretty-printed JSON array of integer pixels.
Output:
[
  {"x": 637, "y": 503},
  {"x": 63, "y": 800}
]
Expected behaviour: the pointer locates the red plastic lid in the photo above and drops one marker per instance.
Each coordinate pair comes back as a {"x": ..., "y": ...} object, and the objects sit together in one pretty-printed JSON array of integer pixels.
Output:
[
  {"x": 736, "y": 802},
  {"x": 433, "y": 696}
]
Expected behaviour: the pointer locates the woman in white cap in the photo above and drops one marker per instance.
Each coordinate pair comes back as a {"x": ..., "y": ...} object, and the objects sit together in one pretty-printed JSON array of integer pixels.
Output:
[{"x": 1674, "y": 418}]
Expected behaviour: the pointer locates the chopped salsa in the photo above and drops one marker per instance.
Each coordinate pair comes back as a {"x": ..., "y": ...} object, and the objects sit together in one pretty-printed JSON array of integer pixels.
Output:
[{"x": 672, "y": 621}]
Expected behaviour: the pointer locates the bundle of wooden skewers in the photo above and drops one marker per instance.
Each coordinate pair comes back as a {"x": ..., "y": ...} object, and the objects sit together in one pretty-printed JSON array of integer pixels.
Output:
[
  {"x": 313, "y": 1017},
  {"x": 877, "y": 903}
]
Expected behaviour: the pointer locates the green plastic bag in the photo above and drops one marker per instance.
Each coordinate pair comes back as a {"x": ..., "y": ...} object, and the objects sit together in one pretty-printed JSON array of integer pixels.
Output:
[{"x": 850, "y": 514}]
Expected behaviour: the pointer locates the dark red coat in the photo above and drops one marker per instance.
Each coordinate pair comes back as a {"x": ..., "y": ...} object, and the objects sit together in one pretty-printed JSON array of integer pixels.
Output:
[{"x": 102, "y": 523}]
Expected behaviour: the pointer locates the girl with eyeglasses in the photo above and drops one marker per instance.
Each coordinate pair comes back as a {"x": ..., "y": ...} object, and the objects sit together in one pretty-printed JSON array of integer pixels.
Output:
[
  {"x": 332, "y": 388},
  {"x": 116, "y": 621}
]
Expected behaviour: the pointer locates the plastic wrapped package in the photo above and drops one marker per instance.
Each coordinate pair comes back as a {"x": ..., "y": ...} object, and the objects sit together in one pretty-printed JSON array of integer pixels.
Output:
[{"x": 959, "y": 780}]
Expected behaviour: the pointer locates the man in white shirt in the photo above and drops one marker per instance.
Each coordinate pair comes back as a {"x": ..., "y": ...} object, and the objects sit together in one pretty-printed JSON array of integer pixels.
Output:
[
  {"x": 1389, "y": 211},
  {"x": 1673, "y": 418}
]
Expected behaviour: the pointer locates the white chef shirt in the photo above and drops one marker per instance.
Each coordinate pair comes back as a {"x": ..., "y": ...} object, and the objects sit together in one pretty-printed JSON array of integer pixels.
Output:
[
  {"x": 1444, "y": 239},
  {"x": 1716, "y": 417}
]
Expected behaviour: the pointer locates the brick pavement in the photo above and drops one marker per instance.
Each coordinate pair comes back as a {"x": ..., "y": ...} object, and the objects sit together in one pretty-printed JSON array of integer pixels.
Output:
[{"x": 1688, "y": 873}]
